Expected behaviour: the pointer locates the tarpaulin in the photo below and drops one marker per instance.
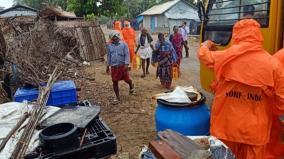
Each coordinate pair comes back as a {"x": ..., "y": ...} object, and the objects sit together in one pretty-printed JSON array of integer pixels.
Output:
[{"x": 10, "y": 113}]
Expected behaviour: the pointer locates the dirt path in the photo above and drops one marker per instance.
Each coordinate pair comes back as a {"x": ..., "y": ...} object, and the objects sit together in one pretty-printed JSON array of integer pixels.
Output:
[{"x": 133, "y": 119}]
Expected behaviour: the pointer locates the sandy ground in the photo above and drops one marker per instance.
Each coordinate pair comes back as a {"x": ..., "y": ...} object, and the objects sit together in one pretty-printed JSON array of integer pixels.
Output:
[{"x": 132, "y": 120}]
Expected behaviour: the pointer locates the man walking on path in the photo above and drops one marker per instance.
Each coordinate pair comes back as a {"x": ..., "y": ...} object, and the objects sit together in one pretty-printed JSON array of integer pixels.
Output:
[
  {"x": 184, "y": 31},
  {"x": 117, "y": 63}
]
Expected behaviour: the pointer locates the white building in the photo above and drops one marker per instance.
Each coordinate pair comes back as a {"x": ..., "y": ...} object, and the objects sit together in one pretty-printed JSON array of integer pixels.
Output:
[
  {"x": 162, "y": 17},
  {"x": 19, "y": 10}
]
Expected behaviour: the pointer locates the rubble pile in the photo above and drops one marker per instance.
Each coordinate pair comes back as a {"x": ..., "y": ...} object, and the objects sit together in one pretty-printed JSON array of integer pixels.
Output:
[
  {"x": 14, "y": 26},
  {"x": 37, "y": 45},
  {"x": 37, "y": 51}
]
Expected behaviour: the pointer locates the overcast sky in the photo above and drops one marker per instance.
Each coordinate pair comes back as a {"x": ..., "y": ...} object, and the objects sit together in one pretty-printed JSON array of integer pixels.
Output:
[{"x": 6, "y": 3}]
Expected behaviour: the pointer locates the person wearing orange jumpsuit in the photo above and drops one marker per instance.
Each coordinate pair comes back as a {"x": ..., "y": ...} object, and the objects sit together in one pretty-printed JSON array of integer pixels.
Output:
[
  {"x": 129, "y": 36},
  {"x": 117, "y": 27},
  {"x": 275, "y": 147},
  {"x": 248, "y": 86}
]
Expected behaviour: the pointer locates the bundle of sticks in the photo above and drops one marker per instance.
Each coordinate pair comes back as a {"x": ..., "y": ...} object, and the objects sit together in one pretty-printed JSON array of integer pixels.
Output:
[{"x": 36, "y": 115}]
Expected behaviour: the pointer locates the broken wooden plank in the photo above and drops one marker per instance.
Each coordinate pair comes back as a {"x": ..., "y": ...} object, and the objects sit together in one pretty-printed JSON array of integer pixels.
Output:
[
  {"x": 94, "y": 42},
  {"x": 181, "y": 144},
  {"x": 88, "y": 44},
  {"x": 84, "y": 53},
  {"x": 162, "y": 150}
]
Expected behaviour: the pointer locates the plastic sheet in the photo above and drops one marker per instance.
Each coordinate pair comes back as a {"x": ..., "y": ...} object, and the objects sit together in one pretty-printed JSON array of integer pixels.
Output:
[
  {"x": 10, "y": 113},
  {"x": 177, "y": 96},
  {"x": 219, "y": 149}
]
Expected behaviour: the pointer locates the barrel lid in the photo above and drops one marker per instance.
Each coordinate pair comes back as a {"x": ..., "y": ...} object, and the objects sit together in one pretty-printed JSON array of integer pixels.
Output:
[{"x": 202, "y": 100}]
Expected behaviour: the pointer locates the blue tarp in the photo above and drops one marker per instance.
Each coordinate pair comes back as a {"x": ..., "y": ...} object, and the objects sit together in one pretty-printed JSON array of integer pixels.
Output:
[{"x": 140, "y": 18}]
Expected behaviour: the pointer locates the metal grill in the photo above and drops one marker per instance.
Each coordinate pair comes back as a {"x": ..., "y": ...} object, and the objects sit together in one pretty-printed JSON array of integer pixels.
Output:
[{"x": 234, "y": 10}]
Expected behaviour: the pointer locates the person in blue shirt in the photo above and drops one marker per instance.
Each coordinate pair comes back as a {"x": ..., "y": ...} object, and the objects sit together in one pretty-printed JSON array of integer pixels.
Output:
[{"x": 118, "y": 59}]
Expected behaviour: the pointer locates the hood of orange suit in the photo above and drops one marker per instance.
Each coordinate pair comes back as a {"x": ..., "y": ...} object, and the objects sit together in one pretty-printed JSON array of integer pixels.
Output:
[
  {"x": 127, "y": 24},
  {"x": 117, "y": 25},
  {"x": 247, "y": 30},
  {"x": 245, "y": 61}
]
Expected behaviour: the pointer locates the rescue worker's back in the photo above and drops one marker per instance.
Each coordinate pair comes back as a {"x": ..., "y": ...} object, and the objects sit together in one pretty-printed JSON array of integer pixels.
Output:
[{"x": 248, "y": 86}]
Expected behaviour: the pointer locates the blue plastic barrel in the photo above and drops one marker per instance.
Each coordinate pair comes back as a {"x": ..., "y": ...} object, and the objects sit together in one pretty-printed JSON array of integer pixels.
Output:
[{"x": 188, "y": 119}]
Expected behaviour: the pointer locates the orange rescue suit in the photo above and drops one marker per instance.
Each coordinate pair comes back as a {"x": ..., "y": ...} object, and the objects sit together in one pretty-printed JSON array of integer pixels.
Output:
[
  {"x": 129, "y": 36},
  {"x": 275, "y": 148},
  {"x": 248, "y": 86},
  {"x": 117, "y": 27}
]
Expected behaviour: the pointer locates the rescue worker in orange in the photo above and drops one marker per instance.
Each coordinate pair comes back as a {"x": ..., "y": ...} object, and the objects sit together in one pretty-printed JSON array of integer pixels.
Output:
[
  {"x": 117, "y": 27},
  {"x": 248, "y": 86},
  {"x": 129, "y": 36},
  {"x": 275, "y": 147}
]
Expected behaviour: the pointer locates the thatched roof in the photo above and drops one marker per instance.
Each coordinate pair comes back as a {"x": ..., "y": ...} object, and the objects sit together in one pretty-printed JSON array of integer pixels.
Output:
[{"x": 51, "y": 11}]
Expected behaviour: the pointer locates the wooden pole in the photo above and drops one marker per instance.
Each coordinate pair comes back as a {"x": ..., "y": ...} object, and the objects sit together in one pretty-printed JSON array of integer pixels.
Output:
[
  {"x": 36, "y": 115},
  {"x": 12, "y": 132}
]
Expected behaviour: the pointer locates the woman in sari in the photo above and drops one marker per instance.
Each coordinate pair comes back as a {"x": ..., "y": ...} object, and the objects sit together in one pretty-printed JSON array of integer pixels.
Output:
[
  {"x": 164, "y": 54},
  {"x": 177, "y": 41}
]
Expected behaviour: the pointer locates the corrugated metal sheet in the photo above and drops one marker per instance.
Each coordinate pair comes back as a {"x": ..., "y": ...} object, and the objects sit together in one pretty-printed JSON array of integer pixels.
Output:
[
  {"x": 147, "y": 22},
  {"x": 161, "y": 21},
  {"x": 160, "y": 9},
  {"x": 169, "y": 14},
  {"x": 182, "y": 11},
  {"x": 19, "y": 10},
  {"x": 18, "y": 13}
]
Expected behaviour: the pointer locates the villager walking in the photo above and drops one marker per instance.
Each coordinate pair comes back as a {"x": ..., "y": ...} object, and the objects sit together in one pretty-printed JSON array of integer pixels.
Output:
[
  {"x": 164, "y": 54},
  {"x": 177, "y": 41},
  {"x": 117, "y": 63},
  {"x": 184, "y": 31},
  {"x": 144, "y": 50}
]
